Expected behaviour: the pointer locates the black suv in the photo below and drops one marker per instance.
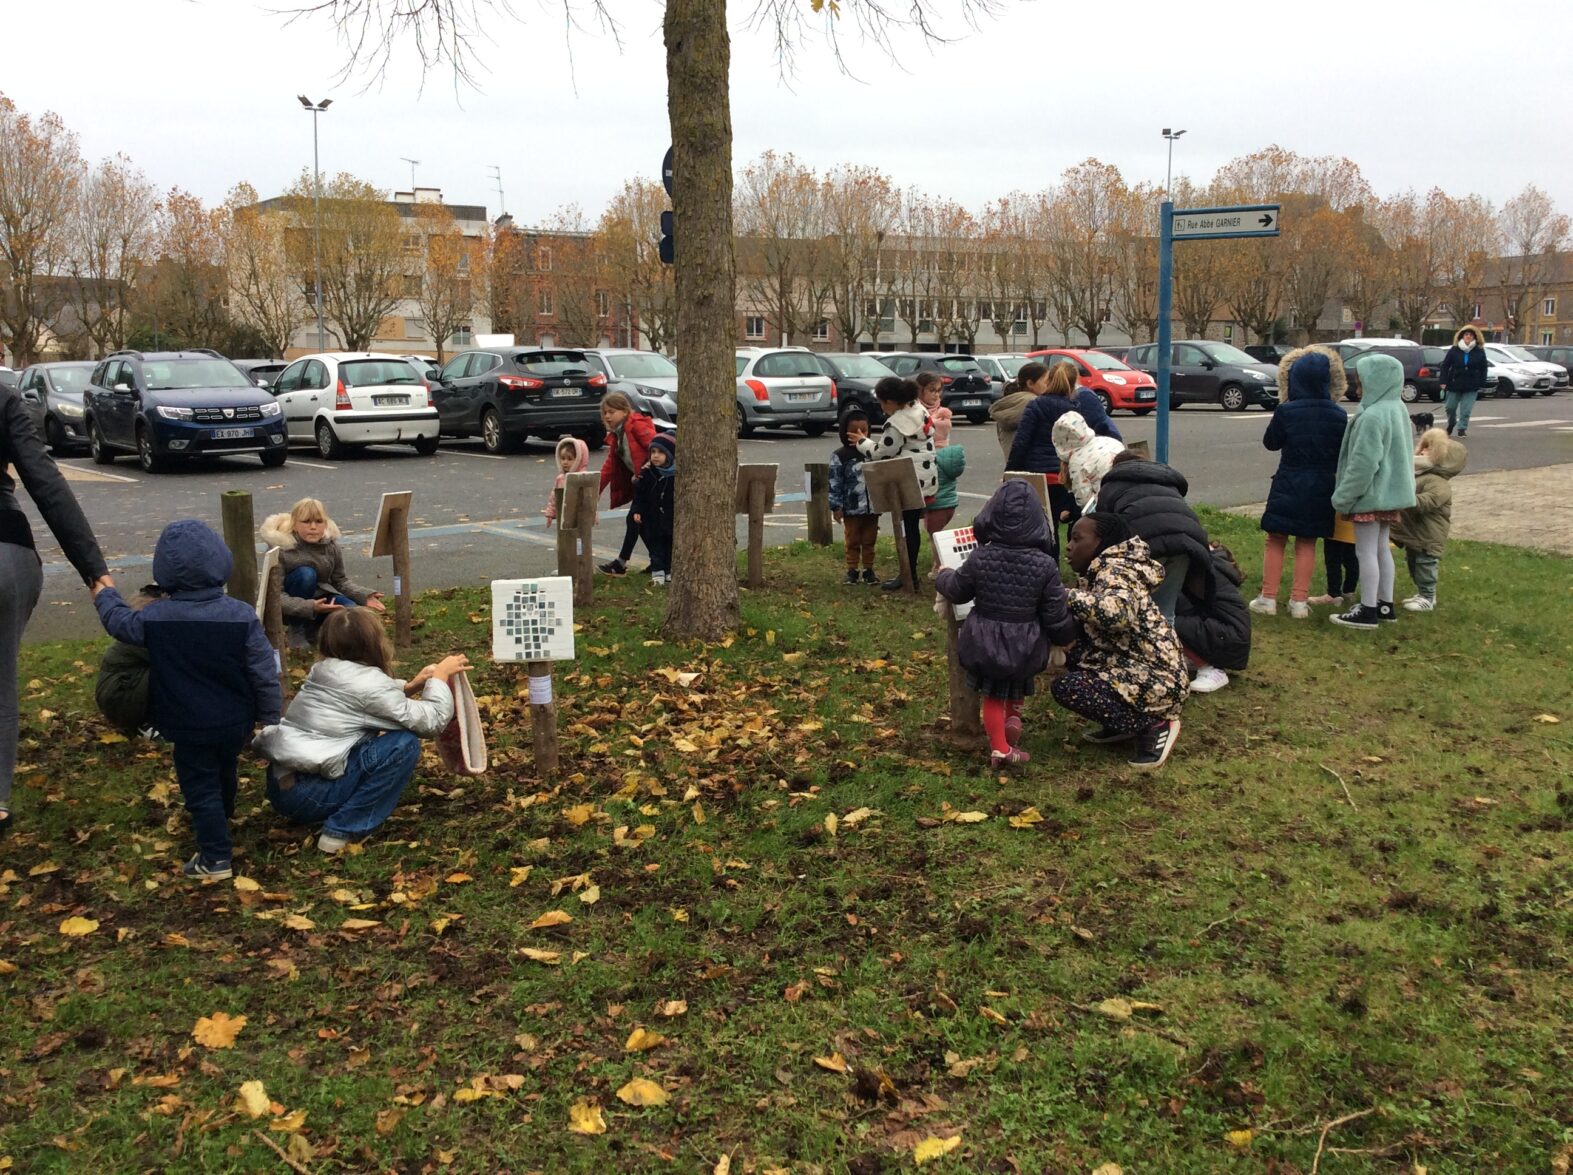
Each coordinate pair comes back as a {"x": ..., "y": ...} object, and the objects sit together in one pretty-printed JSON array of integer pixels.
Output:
[
  {"x": 1422, "y": 366},
  {"x": 968, "y": 390},
  {"x": 1268, "y": 352},
  {"x": 165, "y": 405},
  {"x": 855, "y": 377},
  {"x": 1205, "y": 372},
  {"x": 505, "y": 394}
]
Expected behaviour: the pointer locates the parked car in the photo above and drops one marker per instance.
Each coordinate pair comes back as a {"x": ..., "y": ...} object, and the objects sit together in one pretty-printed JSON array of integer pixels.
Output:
[
  {"x": 1511, "y": 375},
  {"x": 781, "y": 387},
  {"x": 9, "y": 379},
  {"x": 429, "y": 368},
  {"x": 1204, "y": 372},
  {"x": 1527, "y": 357},
  {"x": 647, "y": 378},
  {"x": 1268, "y": 352},
  {"x": 855, "y": 376},
  {"x": 343, "y": 400},
  {"x": 1123, "y": 354},
  {"x": 1421, "y": 379},
  {"x": 1001, "y": 368},
  {"x": 168, "y": 405},
  {"x": 1561, "y": 355},
  {"x": 52, "y": 395},
  {"x": 968, "y": 391},
  {"x": 1116, "y": 384},
  {"x": 505, "y": 394},
  {"x": 262, "y": 371}
]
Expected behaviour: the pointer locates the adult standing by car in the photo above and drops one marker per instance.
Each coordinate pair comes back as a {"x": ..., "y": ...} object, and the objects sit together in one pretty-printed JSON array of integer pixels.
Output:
[
  {"x": 21, "y": 571},
  {"x": 628, "y": 437},
  {"x": 1463, "y": 375},
  {"x": 1032, "y": 450},
  {"x": 1031, "y": 381}
]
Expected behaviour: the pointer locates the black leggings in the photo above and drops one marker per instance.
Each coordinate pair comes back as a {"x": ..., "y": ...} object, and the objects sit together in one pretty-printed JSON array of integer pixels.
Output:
[
  {"x": 912, "y": 525},
  {"x": 1061, "y": 501},
  {"x": 630, "y": 537},
  {"x": 1083, "y": 692},
  {"x": 1343, "y": 568}
]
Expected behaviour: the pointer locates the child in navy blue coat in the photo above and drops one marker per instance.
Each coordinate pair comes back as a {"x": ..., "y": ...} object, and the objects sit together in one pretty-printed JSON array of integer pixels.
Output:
[
  {"x": 653, "y": 505},
  {"x": 849, "y": 502},
  {"x": 214, "y": 677}
]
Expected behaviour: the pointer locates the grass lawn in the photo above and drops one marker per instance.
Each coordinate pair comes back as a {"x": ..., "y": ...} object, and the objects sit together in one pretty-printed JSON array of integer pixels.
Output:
[{"x": 777, "y": 903}]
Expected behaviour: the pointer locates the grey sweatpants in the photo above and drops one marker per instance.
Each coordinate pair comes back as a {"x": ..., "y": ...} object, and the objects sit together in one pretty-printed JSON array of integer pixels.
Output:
[{"x": 21, "y": 581}]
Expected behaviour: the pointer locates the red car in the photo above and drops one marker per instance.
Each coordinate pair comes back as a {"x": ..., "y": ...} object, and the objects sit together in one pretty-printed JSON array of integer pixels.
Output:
[{"x": 1117, "y": 385}]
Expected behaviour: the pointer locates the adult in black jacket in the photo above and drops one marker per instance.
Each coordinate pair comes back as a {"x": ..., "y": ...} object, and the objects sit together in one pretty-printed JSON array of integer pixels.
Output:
[
  {"x": 1150, "y": 496},
  {"x": 1215, "y": 630},
  {"x": 1463, "y": 377},
  {"x": 1033, "y": 449},
  {"x": 21, "y": 574}
]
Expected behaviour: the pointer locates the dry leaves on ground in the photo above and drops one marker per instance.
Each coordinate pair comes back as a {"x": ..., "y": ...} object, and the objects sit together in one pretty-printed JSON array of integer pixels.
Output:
[{"x": 218, "y": 1031}]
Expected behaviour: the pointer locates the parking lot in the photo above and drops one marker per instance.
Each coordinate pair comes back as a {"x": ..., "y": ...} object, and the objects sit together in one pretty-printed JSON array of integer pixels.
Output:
[{"x": 478, "y": 517}]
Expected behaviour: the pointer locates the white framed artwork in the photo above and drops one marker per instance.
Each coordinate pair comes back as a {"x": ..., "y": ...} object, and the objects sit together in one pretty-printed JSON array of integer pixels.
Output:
[{"x": 532, "y": 619}]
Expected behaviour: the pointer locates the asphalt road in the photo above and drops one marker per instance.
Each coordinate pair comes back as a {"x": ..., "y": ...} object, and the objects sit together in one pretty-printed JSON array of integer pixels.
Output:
[{"x": 478, "y": 517}]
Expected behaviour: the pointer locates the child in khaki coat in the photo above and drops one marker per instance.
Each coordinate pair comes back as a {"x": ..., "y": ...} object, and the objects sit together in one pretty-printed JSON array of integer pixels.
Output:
[{"x": 1423, "y": 528}]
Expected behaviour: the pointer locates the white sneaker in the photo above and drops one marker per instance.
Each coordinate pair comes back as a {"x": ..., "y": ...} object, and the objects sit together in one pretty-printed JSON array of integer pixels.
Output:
[
  {"x": 1419, "y": 604},
  {"x": 1299, "y": 610},
  {"x": 1263, "y": 606},
  {"x": 1209, "y": 678},
  {"x": 332, "y": 845}
]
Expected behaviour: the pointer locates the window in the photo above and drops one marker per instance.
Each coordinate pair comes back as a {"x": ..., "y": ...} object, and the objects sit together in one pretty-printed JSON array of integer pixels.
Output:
[
  {"x": 603, "y": 304},
  {"x": 290, "y": 380},
  {"x": 316, "y": 375},
  {"x": 786, "y": 363},
  {"x": 754, "y": 326},
  {"x": 1228, "y": 333},
  {"x": 1545, "y": 338},
  {"x": 543, "y": 258},
  {"x": 985, "y": 311},
  {"x": 412, "y": 242},
  {"x": 544, "y": 304},
  {"x": 1549, "y": 308},
  {"x": 412, "y": 285},
  {"x": 1474, "y": 311},
  {"x": 822, "y": 331},
  {"x": 548, "y": 341}
]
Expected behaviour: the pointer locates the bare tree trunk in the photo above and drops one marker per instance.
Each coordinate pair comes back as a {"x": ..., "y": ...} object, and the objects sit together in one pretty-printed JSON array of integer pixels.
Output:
[{"x": 704, "y": 555}]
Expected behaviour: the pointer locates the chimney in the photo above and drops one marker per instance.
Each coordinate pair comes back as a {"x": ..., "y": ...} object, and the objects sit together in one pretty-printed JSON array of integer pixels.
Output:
[
  {"x": 404, "y": 197},
  {"x": 428, "y": 196}
]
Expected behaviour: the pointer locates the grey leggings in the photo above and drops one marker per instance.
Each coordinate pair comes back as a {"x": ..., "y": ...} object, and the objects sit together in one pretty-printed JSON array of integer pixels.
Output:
[
  {"x": 1375, "y": 552},
  {"x": 21, "y": 581}
]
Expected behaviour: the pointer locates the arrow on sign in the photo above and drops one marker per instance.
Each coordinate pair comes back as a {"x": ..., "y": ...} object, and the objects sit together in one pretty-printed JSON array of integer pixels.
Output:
[{"x": 1266, "y": 221}]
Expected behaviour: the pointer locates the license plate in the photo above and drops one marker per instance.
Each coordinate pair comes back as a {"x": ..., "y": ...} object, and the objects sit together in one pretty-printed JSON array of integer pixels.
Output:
[
  {"x": 972, "y": 403},
  {"x": 233, "y": 434},
  {"x": 1146, "y": 395},
  {"x": 390, "y": 401},
  {"x": 801, "y": 397},
  {"x": 564, "y": 393}
]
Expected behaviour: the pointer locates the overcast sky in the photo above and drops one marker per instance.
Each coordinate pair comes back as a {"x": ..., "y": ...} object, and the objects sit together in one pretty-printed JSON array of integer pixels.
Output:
[{"x": 201, "y": 94}]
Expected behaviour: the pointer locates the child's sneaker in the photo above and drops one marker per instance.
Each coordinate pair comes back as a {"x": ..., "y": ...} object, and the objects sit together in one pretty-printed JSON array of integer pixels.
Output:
[
  {"x": 1419, "y": 604},
  {"x": 1299, "y": 610},
  {"x": 1154, "y": 744},
  {"x": 1011, "y": 758},
  {"x": 330, "y": 844},
  {"x": 852, "y": 575},
  {"x": 1263, "y": 606},
  {"x": 869, "y": 576},
  {"x": 1107, "y": 734},
  {"x": 1323, "y": 600},
  {"x": 1358, "y": 617},
  {"x": 1386, "y": 611},
  {"x": 658, "y": 578},
  {"x": 1209, "y": 678},
  {"x": 613, "y": 567},
  {"x": 201, "y": 870}
]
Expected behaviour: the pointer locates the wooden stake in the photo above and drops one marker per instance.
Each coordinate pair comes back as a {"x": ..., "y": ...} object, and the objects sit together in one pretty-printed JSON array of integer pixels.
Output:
[
  {"x": 757, "y": 493},
  {"x": 273, "y": 625},
  {"x": 543, "y": 717},
  {"x": 821, "y": 524},
  {"x": 907, "y": 582},
  {"x": 399, "y": 527},
  {"x": 965, "y": 704},
  {"x": 575, "y": 557},
  {"x": 240, "y": 536}
]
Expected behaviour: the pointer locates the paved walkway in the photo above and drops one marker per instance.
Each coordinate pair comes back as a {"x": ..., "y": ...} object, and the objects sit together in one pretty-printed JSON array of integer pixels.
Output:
[{"x": 1520, "y": 507}]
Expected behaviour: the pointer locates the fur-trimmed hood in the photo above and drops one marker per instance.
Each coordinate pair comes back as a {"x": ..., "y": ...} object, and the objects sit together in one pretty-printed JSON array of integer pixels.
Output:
[
  {"x": 276, "y": 533},
  {"x": 1337, "y": 381},
  {"x": 1472, "y": 329},
  {"x": 1449, "y": 463}
]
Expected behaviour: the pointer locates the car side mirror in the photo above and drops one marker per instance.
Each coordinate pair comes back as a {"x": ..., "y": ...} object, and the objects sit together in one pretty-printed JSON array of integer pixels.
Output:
[
  {"x": 261, "y": 383},
  {"x": 31, "y": 396},
  {"x": 1208, "y": 364},
  {"x": 122, "y": 386}
]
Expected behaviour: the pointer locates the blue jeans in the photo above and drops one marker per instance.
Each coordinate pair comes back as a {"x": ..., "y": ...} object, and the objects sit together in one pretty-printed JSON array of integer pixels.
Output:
[
  {"x": 302, "y": 584},
  {"x": 1459, "y": 405},
  {"x": 207, "y": 776},
  {"x": 1167, "y": 594},
  {"x": 357, "y": 802}
]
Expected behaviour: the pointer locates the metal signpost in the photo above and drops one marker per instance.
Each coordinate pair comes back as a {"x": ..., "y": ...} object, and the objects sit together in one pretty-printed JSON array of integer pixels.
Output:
[{"x": 1195, "y": 224}]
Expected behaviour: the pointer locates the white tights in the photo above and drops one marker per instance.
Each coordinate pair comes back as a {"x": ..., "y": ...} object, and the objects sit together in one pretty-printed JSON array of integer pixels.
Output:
[{"x": 1375, "y": 552}]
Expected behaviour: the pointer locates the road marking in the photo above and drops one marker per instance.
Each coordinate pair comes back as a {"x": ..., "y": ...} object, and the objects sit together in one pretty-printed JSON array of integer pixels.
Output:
[
  {"x": 1527, "y": 423},
  {"x": 88, "y": 473},
  {"x": 310, "y": 464},
  {"x": 969, "y": 494},
  {"x": 462, "y": 453}
]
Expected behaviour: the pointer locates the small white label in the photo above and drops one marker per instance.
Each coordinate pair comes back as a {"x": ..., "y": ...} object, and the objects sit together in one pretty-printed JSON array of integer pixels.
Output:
[
  {"x": 541, "y": 691},
  {"x": 398, "y": 585},
  {"x": 808, "y": 486},
  {"x": 578, "y": 547},
  {"x": 278, "y": 662}
]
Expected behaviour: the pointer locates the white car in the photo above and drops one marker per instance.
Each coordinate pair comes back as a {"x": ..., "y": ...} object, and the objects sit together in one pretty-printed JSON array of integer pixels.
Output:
[
  {"x": 1528, "y": 359},
  {"x": 339, "y": 400},
  {"x": 1507, "y": 374},
  {"x": 1002, "y": 368}
]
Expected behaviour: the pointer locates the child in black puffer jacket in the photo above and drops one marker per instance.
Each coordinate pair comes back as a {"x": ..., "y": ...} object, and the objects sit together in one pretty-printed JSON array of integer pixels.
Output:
[{"x": 653, "y": 506}]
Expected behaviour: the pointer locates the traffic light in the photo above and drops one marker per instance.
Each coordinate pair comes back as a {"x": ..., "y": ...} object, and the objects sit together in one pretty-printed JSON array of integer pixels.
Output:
[{"x": 668, "y": 245}]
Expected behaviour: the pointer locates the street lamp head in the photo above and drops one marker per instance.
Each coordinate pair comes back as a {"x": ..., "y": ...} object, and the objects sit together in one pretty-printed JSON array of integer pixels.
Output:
[
  {"x": 327, "y": 102},
  {"x": 1165, "y": 129},
  {"x": 306, "y": 102}
]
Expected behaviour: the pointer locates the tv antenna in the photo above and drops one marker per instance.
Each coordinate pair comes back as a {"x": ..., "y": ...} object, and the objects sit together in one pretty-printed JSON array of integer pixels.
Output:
[{"x": 414, "y": 163}]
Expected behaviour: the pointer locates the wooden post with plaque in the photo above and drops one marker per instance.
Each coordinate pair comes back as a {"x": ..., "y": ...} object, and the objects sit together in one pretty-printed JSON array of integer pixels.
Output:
[{"x": 893, "y": 489}]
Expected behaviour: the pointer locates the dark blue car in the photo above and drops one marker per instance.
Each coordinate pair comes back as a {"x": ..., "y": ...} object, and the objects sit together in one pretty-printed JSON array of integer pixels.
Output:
[{"x": 167, "y": 405}]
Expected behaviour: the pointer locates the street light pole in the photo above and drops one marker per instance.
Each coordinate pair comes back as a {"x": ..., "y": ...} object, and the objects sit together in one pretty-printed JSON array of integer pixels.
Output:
[
  {"x": 317, "y": 108},
  {"x": 1168, "y": 177}
]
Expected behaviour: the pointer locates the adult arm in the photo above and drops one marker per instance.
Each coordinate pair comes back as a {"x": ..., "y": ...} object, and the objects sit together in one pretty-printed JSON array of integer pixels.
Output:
[
  {"x": 1091, "y": 408},
  {"x": 1026, "y": 439},
  {"x": 1449, "y": 363},
  {"x": 425, "y": 715},
  {"x": 119, "y": 619},
  {"x": 20, "y": 441},
  {"x": 262, "y": 667}
]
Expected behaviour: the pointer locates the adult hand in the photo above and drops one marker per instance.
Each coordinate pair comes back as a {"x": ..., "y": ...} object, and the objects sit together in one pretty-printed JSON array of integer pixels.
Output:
[
  {"x": 374, "y": 602},
  {"x": 325, "y": 606},
  {"x": 99, "y": 584},
  {"x": 638, "y": 519},
  {"x": 448, "y": 666}
]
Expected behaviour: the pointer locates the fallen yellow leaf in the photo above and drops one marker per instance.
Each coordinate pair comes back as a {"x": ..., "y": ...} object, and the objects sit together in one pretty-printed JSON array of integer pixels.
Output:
[
  {"x": 388, "y": 1120},
  {"x": 671, "y": 1007},
  {"x": 9, "y": 968},
  {"x": 835, "y": 1062},
  {"x": 76, "y": 927},
  {"x": 550, "y": 958},
  {"x": 289, "y": 1123},
  {"x": 679, "y": 914},
  {"x": 641, "y": 1092},
  {"x": 1240, "y": 1140},
  {"x": 110, "y": 737},
  {"x": 253, "y": 1099},
  {"x": 218, "y": 1031},
  {"x": 579, "y": 814},
  {"x": 246, "y": 885},
  {"x": 518, "y": 875},
  {"x": 1550, "y": 719},
  {"x": 42, "y": 868},
  {"x": 585, "y": 1118},
  {"x": 640, "y": 1040},
  {"x": 299, "y": 922},
  {"x": 458, "y": 878},
  {"x": 1026, "y": 818},
  {"x": 591, "y": 895},
  {"x": 933, "y": 1148},
  {"x": 1109, "y": 1169},
  {"x": 358, "y": 923},
  {"x": 551, "y": 918}
]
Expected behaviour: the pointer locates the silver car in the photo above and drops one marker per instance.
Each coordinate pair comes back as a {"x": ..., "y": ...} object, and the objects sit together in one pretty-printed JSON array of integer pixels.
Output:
[
  {"x": 782, "y": 387},
  {"x": 52, "y": 395},
  {"x": 647, "y": 378}
]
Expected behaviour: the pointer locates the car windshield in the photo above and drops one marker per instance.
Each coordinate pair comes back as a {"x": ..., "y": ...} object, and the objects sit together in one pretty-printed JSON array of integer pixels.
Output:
[
  {"x": 70, "y": 379},
  {"x": 1522, "y": 353},
  {"x": 861, "y": 367},
  {"x": 553, "y": 362},
  {"x": 1011, "y": 365},
  {"x": 1433, "y": 354},
  {"x": 644, "y": 365},
  {"x": 1224, "y": 353},
  {"x": 742, "y": 365},
  {"x": 174, "y": 375},
  {"x": 960, "y": 363},
  {"x": 1098, "y": 361},
  {"x": 367, "y": 373}
]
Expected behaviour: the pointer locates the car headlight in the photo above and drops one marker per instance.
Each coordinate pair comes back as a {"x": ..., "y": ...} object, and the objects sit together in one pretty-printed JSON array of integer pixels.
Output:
[
  {"x": 271, "y": 408},
  {"x": 175, "y": 413},
  {"x": 1114, "y": 379},
  {"x": 1264, "y": 377},
  {"x": 74, "y": 411}
]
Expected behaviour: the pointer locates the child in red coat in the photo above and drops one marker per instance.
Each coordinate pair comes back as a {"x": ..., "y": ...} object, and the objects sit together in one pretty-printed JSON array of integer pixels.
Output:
[{"x": 628, "y": 437}]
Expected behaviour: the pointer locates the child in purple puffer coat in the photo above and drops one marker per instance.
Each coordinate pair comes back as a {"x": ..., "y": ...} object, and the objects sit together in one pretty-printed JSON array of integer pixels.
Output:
[{"x": 1018, "y": 611}]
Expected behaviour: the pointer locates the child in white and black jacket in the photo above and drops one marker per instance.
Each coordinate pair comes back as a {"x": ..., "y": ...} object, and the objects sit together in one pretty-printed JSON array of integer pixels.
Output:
[
  {"x": 908, "y": 432},
  {"x": 849, "y": 502}
]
